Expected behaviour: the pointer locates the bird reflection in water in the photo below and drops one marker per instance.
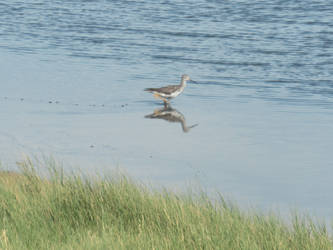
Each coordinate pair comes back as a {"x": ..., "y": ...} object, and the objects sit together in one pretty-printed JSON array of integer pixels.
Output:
[{"x": 171, "y": 115}]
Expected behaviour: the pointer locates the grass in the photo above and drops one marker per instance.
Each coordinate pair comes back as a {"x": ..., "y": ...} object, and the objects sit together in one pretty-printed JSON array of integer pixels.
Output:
[{"x": 73, "y": 212}]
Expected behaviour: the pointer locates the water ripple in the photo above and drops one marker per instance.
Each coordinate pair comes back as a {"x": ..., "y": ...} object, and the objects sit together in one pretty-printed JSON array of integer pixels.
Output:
[{"x": 276, "y": 43}]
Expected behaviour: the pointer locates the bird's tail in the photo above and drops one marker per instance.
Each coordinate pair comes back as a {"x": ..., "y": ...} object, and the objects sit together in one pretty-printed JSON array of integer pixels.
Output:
[{"x": 149, "y": 89}]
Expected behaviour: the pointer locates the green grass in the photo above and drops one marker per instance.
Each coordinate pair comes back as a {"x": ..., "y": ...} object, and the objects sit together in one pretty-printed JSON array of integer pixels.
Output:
[{"x": 72, "y": 212}]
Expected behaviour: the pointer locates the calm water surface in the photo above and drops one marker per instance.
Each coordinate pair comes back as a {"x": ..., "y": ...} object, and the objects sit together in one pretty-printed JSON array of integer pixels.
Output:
[{"x": 72, "y": 75}]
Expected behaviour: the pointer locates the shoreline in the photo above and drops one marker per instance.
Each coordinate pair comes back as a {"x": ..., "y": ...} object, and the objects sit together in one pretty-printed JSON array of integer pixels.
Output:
[{"x": 72, "y": 211}]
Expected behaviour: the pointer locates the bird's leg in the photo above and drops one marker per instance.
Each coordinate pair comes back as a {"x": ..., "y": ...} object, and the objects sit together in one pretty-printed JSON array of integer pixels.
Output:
[
  {"x": 166, "y": 105},
  {"x": 157, "y": 96}
]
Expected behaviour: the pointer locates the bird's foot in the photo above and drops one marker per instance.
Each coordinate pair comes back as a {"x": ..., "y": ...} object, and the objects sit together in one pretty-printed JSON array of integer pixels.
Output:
[{"x": 166, "y": 103}]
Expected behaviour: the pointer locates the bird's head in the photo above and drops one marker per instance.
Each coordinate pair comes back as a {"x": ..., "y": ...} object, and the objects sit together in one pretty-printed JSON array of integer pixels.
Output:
[{"x": 186, "y": 78}]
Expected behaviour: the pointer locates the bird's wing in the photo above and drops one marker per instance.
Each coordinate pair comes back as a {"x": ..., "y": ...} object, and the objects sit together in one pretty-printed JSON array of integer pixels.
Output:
[{"x": 167, "y": 89}]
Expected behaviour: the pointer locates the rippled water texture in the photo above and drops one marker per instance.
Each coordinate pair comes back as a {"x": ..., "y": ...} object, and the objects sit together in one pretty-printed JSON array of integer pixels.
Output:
[{"x": 257, "y": 124}]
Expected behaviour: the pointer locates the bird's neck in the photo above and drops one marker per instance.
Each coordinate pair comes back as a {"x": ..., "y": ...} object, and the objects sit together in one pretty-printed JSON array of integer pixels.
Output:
[{"x": 183, "y": 83}]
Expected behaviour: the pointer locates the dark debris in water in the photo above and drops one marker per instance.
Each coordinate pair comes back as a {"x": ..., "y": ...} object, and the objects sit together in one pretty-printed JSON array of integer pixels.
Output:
[{"x": 21, "y": 99}]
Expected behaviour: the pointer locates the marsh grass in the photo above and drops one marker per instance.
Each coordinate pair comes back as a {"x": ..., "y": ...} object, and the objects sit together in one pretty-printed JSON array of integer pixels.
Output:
[{"x": 75, "y": 212}]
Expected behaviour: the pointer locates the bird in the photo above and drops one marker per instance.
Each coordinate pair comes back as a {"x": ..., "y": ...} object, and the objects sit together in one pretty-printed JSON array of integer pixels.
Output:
[{"x": 171, "y": 91}]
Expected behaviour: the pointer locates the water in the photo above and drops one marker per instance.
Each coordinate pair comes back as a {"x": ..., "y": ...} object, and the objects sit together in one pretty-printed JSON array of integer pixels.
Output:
[{"x": 72, "y": 75}]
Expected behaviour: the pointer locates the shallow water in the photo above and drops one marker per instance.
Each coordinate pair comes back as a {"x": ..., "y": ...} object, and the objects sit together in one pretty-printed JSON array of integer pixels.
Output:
[{"x": 72, "y": 75}]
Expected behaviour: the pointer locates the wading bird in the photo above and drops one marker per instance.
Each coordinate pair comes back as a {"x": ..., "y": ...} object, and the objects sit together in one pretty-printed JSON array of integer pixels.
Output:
[{"x": 171, "y": 91}]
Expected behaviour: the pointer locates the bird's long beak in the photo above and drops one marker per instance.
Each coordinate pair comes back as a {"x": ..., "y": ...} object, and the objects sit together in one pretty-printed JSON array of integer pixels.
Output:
[{"x": 193, "y": 81}]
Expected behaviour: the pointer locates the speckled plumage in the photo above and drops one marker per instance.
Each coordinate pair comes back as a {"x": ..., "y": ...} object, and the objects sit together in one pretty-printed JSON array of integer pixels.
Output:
[{"x": 170, "y": 91}]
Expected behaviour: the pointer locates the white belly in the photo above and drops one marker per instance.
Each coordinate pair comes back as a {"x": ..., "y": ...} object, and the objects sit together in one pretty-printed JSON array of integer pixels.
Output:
[{"x": 173, "y": 95}]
